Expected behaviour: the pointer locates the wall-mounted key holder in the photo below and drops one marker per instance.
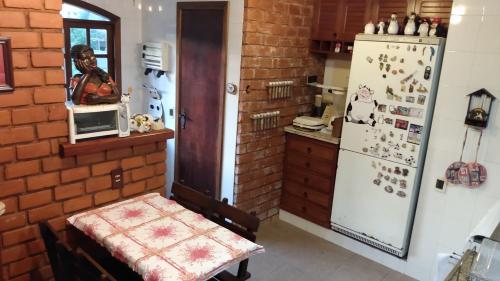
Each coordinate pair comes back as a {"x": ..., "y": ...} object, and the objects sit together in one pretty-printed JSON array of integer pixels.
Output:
[
  {"x": 280, "y": 90},
  {"x": 265, "y": 121}
]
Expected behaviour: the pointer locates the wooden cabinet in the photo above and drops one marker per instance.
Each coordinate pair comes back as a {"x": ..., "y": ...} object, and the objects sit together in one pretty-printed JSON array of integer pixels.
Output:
[
  {"x": 336, "y": 22},
  {"x": 309, "y": 178}
]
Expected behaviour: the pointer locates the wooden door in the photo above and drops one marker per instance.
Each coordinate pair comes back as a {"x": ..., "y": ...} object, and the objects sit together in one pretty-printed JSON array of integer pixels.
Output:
[
  {"x": 325, "y": 19},
  {"x": 201, "y": 61},
  {"x": 353, "y": 15}
]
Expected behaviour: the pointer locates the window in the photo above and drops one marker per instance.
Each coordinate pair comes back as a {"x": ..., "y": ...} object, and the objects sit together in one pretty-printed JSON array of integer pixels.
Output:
[{"x": 90, "y": 25}]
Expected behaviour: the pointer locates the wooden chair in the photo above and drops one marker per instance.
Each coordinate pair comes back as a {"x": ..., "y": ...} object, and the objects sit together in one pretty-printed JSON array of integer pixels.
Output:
[
  {"x": 192, "y": 199},
  {"x": 50, "y": 238},
  {"x": 230, "y": 217},
  {"x": 78, "y": 265}
]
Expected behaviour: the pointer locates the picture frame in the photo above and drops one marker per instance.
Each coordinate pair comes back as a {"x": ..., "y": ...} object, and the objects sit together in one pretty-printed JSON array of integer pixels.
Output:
[{"x": 6, "y": 67}]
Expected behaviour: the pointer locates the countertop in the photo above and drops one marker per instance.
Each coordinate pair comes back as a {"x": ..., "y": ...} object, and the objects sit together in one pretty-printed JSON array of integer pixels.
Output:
[{"x": 313, "y": 135}]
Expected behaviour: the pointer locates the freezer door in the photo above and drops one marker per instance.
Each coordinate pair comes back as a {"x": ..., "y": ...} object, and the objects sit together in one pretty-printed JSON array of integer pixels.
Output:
[
  {"x": 374, "y": 199},
  {"x": 390, "y": 99}
]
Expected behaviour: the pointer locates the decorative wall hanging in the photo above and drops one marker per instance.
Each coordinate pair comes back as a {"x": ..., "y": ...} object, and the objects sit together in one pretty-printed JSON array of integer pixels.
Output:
[
  {"x": 265, "y": 121},
  {"x": 6, "y": 69},
  {"x": 478, "y": 112},
  {"x": 470, "y": 174},
  {"x": 280, "y": 90}
]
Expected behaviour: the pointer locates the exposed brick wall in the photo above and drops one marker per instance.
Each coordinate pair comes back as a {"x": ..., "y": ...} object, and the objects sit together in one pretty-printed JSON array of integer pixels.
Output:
[
  {"x": 35, "y": 183},
  {"x": 276, "y": 36}
]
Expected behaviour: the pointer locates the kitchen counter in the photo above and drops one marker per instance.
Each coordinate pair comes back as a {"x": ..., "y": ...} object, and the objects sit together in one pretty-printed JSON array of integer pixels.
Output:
[{"x": 313, "y": 135}]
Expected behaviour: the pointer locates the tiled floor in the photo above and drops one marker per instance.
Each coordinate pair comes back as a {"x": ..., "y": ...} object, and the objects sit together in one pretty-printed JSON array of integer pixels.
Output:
[{"x": 295, "y": 255}]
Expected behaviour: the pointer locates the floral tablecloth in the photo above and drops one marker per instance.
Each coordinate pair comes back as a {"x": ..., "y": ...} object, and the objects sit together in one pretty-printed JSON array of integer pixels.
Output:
[{"x": 161, "y": 240}]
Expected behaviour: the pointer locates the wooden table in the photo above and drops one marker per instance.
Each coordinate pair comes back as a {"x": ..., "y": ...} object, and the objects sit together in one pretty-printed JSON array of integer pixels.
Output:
[{"x": 161, "y": 240}]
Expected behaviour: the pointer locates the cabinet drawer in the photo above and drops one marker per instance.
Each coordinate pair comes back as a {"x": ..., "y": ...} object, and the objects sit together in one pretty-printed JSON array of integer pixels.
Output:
[
  {"x": 316, "y": 197},
  {"x": 304, "y": 209},
  {"x": 312, "y": 148},
  {"x": 314, "y": 181},
  {"x": 320, "y": 166}
]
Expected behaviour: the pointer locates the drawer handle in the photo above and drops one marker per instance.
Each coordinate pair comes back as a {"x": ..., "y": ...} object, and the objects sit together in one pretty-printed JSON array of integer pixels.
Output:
[
  {"x": 309, "y": 150},
  {"x": 308, "y": 164},
  {"x": 305, "y": 194},
  {"x": 306, "y": 179}
]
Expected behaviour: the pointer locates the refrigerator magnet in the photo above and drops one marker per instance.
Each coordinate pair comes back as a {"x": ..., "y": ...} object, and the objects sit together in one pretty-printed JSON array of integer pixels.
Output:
[
  {"x": 377, "y": 181},
  {"x": 421, "y": 89},
  {"x": 408, "y": 48},
  {"x": 388, "y": 189},
  {"x": 380, "y": 175},
  {"x": 397, "y": 171},
  {"x": 410, "y": 99},
  {"x": 403, "y": 88},
  {"x": 421, "y": 99},
  {"x": 416, "y": 112},
  {"x": 401, "y": 124},
  {"x": 420, "y": 62},
  {"x": 405, "y": 172},
  {"x": 361, "y": 107},
  {"x": 382, "y": 108},
  {"x": 402, "y": 184},
  {"x": 394, "y": 58},
  {"x": 381, "y": 66},
  {"x": 398, "y": 155},
  {"x": 387, "y": 178},
  {"x": 427, "y": 73},
  {"x": 414, "y": 48},
  {"x": 402, "y": 71},
  {"x": 394, "y": 180},
  {"x": 401, "y": 194},
  {"x": 391, "y": 133},
  {"x": 369, "y": 59},
  {"x": 402, "y": 60},
  {"x": 415, "y": 134},
  {"x": 403, "y": 145},
  {"x": 398, "y": 98},
  {"x": 384, "y": 168},
  {"x": 387, "y": 67},
  {"x": 394, "y": 72},
  {"x": 389, "y": 170},
  {"x": 411, "y": 89}
]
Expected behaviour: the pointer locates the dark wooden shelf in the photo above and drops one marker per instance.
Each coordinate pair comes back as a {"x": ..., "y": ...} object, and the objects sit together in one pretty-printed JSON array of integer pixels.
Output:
[
  {"x": 327, "y": 47},
  {"x": 102, "y": 144}
]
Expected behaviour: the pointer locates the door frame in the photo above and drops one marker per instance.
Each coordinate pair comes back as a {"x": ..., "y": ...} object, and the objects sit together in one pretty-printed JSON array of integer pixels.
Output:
[{"x": 212, "y": 5}]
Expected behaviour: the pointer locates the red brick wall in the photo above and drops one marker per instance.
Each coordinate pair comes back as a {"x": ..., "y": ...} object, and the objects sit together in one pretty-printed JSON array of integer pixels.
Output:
[
  {"x": 276, "y": 36},
  {"x": 35, "y": 183}
]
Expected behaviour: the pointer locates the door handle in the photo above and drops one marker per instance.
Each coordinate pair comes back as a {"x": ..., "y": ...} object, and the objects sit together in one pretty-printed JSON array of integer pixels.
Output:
[{"x": 183, "y": 118}]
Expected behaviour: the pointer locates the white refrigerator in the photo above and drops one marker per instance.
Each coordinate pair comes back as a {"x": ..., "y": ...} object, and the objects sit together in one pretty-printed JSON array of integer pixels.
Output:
[{"x": 388, "y": 114}]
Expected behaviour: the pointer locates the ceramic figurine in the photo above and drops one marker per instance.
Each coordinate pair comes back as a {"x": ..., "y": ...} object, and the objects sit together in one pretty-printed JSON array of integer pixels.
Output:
[
  {"x": 381, "y": 28},
  {"x": 370, "y": 28},
  {"x": 423, "y": 29},
  {"x": 436, "y": 22},
  {"x": 393, "y": 25},
  {"x": 410, "y": 27},
  {"x": 94, "y": 85}
]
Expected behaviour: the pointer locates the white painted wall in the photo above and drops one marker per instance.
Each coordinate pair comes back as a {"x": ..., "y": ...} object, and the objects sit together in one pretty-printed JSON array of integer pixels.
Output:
[
  {"x": 161, "y": 26},
  {"x": 444, "y": 220},
  {"x": 131, "y": 33},
  {"x": 337, "y": 74}
]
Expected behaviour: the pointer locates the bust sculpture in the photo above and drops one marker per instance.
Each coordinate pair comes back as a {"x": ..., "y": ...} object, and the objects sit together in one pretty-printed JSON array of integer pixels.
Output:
[{"x": 94, "y": 85}]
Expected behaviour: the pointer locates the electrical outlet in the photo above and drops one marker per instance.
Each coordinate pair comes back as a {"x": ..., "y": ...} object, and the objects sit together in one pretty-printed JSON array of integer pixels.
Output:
[
  {"x": 117, "y": 178},
  {"x": 441, "y": 185}
]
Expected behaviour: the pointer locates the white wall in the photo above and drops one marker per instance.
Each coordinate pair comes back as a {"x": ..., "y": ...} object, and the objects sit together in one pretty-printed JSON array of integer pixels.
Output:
[
  {"x": 444, "y": 220},
  {"x": 337, "y": 74},
  {"x": 131, "y": 36},
  {"x": 161, "y": 26}
]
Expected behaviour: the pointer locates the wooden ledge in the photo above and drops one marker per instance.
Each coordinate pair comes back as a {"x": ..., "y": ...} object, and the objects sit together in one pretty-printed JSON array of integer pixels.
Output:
[{"x": 102, "y": 144}]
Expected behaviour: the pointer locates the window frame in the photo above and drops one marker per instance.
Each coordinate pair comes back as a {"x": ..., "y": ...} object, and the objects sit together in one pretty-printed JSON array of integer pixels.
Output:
[{"x": 113, "y": 28}]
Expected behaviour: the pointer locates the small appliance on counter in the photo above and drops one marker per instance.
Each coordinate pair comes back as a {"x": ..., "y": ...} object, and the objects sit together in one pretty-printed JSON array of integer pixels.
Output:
[
  {"x": 91, "y": 121},
  {"x": 308, "y": 123}
]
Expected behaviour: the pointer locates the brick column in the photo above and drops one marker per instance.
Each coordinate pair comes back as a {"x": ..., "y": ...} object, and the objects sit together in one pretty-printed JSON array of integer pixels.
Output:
[{"x": 276, "y": 39}]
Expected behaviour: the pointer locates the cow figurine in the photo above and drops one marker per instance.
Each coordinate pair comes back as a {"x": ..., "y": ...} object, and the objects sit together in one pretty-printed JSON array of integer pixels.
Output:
[{"x": 361, "y": 108}]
